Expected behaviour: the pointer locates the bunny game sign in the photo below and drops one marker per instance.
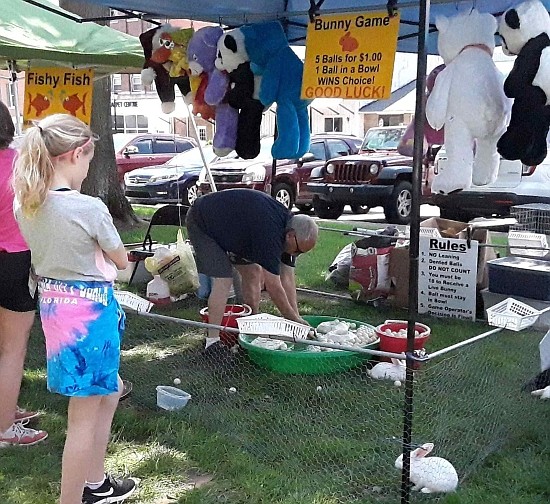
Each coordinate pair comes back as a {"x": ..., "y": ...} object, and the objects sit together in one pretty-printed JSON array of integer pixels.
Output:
[{"x": 350, "y": 56}]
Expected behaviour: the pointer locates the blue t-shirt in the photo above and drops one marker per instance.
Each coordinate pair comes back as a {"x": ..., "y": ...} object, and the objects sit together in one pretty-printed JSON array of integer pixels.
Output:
[{"x": 246, "y": 222}]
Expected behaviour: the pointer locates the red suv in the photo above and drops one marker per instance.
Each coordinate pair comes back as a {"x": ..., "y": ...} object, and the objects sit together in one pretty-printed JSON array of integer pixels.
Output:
[
  {"x": 136, "y": 150},
  {"x": 292, "y": 175}
]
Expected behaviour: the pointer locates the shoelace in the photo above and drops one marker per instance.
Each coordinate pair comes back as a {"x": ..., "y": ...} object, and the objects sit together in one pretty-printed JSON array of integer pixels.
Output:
[{"x": 19, "y": 429}]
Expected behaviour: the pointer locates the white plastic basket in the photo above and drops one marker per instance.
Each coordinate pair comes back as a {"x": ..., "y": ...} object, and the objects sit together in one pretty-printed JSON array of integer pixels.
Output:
[
  {"x": 512, "y": 314},
  {"x": 132, "y": 301},
  {"x": 264, "y": 324},
  {"x": 525, "y": 239}
]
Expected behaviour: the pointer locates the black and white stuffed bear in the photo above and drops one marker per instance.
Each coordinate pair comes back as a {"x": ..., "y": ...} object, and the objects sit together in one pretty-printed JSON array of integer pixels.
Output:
[
  {"x": 525, "y": 33},
  {"x": 242, "y": 94}
]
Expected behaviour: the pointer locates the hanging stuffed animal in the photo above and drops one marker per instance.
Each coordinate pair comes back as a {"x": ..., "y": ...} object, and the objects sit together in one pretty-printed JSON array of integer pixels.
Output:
[
  {"x": 281, "y": 71},
  {"x": 405, "y": 147},
  {"x": 201, "y": 53},
  {"x": 525, "y": 32},
  {"x": 233, "y": 59},
  {"x": 157, "y": 46},
  {"x": 468, "y": 100}
]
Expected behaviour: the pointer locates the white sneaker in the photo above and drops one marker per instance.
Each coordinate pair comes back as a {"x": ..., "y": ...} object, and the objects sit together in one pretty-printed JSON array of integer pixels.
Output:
[{"x": 19, "y": 435}]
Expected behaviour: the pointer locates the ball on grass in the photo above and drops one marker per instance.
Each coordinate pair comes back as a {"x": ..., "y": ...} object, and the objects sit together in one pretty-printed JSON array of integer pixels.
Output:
[
  {"x": 232, "y": 390},
  {"x": 177, "y": 381},
  {"x": 319, "y": 388}
]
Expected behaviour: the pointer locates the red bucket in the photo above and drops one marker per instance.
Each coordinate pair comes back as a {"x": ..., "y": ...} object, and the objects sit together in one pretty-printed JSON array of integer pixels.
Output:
[
  {"x": 396, "y": 344},
  {"x": 232, "y": 313}
]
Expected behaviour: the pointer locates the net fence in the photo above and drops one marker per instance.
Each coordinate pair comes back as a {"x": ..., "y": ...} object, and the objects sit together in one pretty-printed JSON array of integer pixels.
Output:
[{"x": 335, "y": 433}]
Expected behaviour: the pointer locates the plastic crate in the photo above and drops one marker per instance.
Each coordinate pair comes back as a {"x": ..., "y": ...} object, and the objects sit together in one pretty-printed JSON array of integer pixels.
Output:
[
  {"x": 520, "y": 276},
  {"x": 512, "y": 314}
]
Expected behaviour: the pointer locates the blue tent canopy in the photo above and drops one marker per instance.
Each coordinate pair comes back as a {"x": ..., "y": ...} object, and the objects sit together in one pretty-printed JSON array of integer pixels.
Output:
[{"x": 238, "y": 12}]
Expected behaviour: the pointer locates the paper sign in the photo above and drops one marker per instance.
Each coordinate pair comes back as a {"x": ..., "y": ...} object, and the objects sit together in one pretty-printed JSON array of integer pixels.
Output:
[
  {"x": 350, "y": 56},
  {"x": 447, "y": 277},
  {"x": 58, "y": 91}
]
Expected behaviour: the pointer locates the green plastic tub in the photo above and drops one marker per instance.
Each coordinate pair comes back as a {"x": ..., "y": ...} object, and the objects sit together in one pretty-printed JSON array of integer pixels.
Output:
[{"x": 300, "y": 361}]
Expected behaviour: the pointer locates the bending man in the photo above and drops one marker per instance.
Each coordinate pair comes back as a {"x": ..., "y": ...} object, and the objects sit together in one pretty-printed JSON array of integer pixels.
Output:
[{"x": 260, "y": 237}]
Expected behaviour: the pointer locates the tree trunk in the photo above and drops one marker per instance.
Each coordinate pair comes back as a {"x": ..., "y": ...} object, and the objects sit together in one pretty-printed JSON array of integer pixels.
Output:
[{"x": 102, "y": 178}]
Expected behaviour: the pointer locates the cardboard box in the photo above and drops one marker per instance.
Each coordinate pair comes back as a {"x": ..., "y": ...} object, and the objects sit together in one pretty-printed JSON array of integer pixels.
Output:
[
  {"x": 399, "y": 275},
  {"x": 447, "y": 228}
]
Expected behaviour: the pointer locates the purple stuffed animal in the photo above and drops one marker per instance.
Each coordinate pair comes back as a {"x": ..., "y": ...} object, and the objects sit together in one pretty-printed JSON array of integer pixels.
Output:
[{"x": 202, "y": 52}]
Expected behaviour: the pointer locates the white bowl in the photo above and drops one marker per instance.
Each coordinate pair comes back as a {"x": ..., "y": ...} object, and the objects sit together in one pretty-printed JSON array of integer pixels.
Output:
[{"x": 171, "y": 398}]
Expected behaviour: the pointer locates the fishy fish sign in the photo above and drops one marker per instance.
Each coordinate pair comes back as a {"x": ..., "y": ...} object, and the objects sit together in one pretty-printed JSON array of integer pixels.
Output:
[{"x": 58, "y": 91}]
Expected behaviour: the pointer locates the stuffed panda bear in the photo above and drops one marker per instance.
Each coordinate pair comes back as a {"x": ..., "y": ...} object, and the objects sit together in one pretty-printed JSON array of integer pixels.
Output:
[
  {"x": 243, "y": 87},
  {"x": 525, "y": 31}
]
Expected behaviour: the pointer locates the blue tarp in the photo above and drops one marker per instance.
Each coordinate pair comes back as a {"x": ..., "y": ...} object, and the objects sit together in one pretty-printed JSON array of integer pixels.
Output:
[{"x": 238, "y": 12}]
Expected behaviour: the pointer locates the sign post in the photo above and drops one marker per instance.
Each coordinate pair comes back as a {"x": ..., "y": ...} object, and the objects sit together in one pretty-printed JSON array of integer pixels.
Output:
[{"x": 350, "y": 56}]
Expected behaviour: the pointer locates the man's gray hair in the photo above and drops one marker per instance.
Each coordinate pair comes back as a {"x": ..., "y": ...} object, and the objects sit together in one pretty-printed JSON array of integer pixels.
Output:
[{"x": 304, "y": 226}]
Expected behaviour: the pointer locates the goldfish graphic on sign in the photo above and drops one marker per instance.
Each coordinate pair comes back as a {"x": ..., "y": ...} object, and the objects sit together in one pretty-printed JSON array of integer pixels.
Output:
[
  {"x": 73, "y": 103},
  {"x": 40, "y": 103},
  {"x": 57, "y": 91}
]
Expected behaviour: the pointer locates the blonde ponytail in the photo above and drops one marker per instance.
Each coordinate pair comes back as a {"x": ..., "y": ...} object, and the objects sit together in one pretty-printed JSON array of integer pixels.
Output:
[{"x": 34, "y": 169}]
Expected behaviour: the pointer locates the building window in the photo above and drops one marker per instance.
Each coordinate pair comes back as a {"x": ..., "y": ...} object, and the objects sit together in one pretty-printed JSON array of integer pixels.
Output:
[
  {"x": 116, "y": 83},
  {"x": 135, "y": 83},
  {"x": 10, "y": 93},
  {"x": 135, "y": 124},
  {"x": 118, "y": 124},
  {"x": 202, "y": 133},
  {"x": 334, "y": 124}
]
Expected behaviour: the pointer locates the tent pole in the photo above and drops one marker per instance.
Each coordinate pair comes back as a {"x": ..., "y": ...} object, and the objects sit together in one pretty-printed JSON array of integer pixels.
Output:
[
  {"x": 418, "y": 158},
  {"x": 15, "y": 94}
]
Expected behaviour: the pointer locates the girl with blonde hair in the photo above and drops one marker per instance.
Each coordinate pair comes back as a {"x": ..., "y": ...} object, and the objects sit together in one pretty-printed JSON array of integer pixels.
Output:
[{"x": 75, "y": 252}]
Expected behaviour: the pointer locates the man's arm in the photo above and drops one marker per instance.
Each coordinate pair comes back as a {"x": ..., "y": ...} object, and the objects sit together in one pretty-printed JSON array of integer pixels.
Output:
[
  {"x": 288, "y": 280},
  {"x": 278, "y": 295}
]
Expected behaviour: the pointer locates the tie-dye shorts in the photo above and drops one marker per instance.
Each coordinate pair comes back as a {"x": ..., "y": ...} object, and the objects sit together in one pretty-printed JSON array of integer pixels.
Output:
[{"x": 83, "y": 325}]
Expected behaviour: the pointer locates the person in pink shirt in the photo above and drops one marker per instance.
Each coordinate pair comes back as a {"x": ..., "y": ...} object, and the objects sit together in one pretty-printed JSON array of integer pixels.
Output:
[{"x": 17, "y": 305}]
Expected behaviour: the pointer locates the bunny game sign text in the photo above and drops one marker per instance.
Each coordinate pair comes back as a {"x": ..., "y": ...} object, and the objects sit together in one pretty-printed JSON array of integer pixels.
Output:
[{"x": 350, "y": 56}]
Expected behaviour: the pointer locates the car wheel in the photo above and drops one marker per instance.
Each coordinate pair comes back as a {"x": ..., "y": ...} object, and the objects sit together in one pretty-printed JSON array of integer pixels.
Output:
[
  {"x": 283, "y": 194},
  {"x": 190, "y": 193},
  {"x": 398, "y": 208},
  {"x": 360, "y": 209},
  {"x": 325, "y": 210}
]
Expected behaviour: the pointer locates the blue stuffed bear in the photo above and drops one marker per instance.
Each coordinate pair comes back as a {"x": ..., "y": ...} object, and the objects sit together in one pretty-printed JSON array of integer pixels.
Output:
[{"x": 281, "y": 71}]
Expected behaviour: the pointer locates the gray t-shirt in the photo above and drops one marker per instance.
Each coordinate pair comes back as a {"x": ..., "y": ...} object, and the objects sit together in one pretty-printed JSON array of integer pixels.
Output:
[{"x": 67, "y": 237}]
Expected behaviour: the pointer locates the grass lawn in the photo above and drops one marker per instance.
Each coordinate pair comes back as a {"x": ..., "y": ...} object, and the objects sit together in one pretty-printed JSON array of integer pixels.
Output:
[{"x": 318, "y": 439}]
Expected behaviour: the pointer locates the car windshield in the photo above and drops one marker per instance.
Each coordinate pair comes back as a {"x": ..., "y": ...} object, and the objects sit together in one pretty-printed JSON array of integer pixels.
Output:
[
  {"x": 192, "y": 157},
  {"x": 263, "y": 156},
  {"x": 382, "y": 138}
]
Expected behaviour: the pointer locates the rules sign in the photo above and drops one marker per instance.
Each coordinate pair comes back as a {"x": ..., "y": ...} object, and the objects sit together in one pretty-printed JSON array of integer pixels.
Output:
[{"x": 350, "y": 56}]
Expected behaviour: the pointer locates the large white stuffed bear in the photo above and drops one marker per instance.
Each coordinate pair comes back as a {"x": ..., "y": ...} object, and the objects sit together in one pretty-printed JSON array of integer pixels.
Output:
[{"x": 468, "y": 99}]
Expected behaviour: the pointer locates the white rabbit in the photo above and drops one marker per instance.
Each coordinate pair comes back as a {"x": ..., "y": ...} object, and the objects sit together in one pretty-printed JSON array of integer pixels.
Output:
[
  {"x": 394, "y": 370},
  {"x": 430, "y": 474},
  {"x": 543, "y": 393}
]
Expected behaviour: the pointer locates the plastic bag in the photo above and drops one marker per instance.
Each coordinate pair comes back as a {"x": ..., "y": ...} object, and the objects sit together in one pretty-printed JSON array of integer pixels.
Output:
[
  {"x": 338, "y": 271},
  {"x": 370, "y": 259},
  {"x": 176, "y": 266}
]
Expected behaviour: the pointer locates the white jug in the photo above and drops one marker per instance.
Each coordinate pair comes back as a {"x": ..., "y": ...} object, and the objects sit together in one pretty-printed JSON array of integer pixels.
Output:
[{"x": 158, "y": 291}]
